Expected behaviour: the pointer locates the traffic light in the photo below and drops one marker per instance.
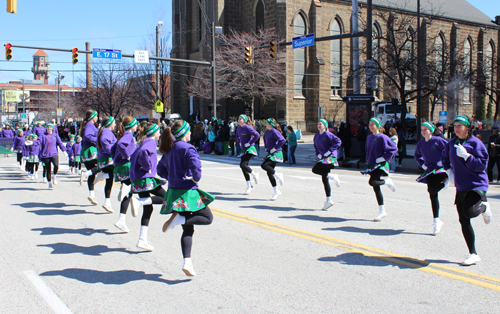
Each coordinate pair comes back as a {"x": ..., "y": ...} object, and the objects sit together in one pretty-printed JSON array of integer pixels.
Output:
[
  {"x": 274, "y": 49},
  {"x": 74, "y": 53},
  {"x": 248, "y": 54},
  {"x": 8, "y": 51},
  {"x": 11, "y": 6}
]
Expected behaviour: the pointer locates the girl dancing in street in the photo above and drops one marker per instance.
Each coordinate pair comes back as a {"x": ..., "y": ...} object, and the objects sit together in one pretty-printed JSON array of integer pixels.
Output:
[
  {"x": 273, "y": 140},
  {"x": 105, "y": 141},
  {"x": 246, "y": 136}
]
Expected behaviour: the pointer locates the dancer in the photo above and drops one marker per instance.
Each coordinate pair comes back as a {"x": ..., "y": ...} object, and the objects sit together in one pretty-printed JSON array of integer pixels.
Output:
[
  {"x": 49, "y": 154},
  {"x": 246, "y": 136},
  {"x": 105, "y": 141},
  {"x": 143, "y": 163},
  {"x": 181, "y": 166},
  {"x": 428, "y": 156},
  {"x": 325, "y": 146},
  {"x": 122, "y": 151},
  {"x": 69, "y": 152},
  {"x": 273, "y": 141},
  {"x": 18, "y": 145},
  {"x": 33, "y": 151},
  {"x": 88, "y": 155},
  {"x": 465, "y": 159},
  {"x": 379, "y": 151},
  {"x": 77, "y": 150}
]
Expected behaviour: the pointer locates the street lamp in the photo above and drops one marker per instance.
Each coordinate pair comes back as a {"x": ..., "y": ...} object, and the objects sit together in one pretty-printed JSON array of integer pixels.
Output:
[{"x": 59, "y": 79}]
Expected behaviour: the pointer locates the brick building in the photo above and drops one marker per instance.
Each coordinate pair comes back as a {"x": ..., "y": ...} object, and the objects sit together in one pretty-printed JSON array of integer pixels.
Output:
[{"x": 454, "y": 26}]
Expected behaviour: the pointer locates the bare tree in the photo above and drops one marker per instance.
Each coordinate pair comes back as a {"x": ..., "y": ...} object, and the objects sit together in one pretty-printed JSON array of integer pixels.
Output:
[{"x": 264, "y": 77}]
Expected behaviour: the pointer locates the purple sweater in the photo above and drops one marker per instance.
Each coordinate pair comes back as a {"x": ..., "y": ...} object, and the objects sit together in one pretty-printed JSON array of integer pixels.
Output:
[
  {"x": 49, "y": 143},
  {"x": 77, "y": 149},
  {"x": 124, "y": 148},
  {"x": 108, "y": 139},
  {"x": 273, "y": 139},
  {"x": 429, "y": 153},
  {"x": 144, "y": 160},
  {"x": 39, "y": 130},
  {"x": 180, "y": 162},
  {"x": 69, "y": 150},
  {"x": 18, "y": 142},
  {"x": 326, "y": 142},
  {"x": 7, "y": 133},
  {"x": 246, "y": 134},
  {"x": 89, "y": 137},
  {"x": 470, "y": 174},
  {"x": 34, "y": 150},
  {"x": 379, "y": 145}
]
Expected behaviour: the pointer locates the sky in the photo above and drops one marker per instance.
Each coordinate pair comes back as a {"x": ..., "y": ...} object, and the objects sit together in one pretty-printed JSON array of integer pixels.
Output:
[
  {"x": 117, "y": 24},
  {"x": 124, "y": 25}
]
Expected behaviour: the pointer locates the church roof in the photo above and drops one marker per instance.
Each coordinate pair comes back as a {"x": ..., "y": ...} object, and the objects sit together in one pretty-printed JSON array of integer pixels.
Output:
[
  {"x": 453, "y": 9},
  {"x": 40, "y": 52}
]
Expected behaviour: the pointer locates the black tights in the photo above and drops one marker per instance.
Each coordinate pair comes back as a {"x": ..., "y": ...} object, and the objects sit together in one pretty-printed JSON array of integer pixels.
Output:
[
  {"x": 159, "y": 194},
  {"x": 323, "y": 170},
  {"x": 469, "y": 205},
  {"x": 91, "y": 165},
  {"x": 32, "y": 167},
  {"x": 126, "y": 200},
  {"x": 20, "y": 158},
  {"x": 48, "y": 165},
  {"x": 268, "y": 166},
  {"x": 376, "y": 181},
  {"x": 435, "y": 183},
  {"x": 202, "y": 217},
  {"x": 109, "y": 181},
  {"x": 244, "y": 166}
]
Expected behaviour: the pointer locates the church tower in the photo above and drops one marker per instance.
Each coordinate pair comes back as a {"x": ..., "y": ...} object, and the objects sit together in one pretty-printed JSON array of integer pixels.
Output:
[{"x": 41, "y": 66}]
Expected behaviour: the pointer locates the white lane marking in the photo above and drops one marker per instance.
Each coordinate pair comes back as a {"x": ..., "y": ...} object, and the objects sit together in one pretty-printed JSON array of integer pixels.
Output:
[{"x": 47, "y": 294}]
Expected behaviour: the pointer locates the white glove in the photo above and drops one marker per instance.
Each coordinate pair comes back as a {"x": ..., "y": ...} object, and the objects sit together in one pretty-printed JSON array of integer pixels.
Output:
[
  {"x": 327, "y": 153},
  {"x": 424, "y": 167},
  {"x": 451, "y": 176},
  {"x": 320, "y": 156},
  {"x": 380, "y": 159},
  {"x": 272, "y": 150},
  {"x": 12, "y": 149},
  {"x": 461, "y": 151},
  {"x": 247, "y": 145},
  {"x": 439, "y": 164},
  {"x": 28, "y": 143},
  {"x": 190, "y": 178},
  {"x": 66, "y": 154}
]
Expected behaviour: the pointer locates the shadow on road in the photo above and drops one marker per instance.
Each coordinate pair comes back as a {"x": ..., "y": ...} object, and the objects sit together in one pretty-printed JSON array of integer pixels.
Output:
[
  {"x": 54, "y": 212},
  {"x": 357, "y": 259},
  {"x": 19, "y": 189},
  {"x": 119, "y": 277},
  {"x": 275, "y": 208},
  {"x": 322, "y": 219},
  {"x": 376, "y": 232},
  {"x": 96, "y": 250},
  {"x": 83, "y": 231}
]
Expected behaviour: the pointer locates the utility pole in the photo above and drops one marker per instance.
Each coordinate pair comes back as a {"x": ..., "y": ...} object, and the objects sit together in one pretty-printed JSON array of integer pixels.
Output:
[
  {"x": 419, "y": 74},
  {"x": 355, "y": 49},
  {"x": 214, "y": 98},
  {"x": 369, "y": 31},
  {"x": 158, "y": 27}
]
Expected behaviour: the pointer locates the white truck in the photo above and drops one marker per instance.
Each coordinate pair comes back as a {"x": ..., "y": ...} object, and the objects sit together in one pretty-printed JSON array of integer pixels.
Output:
[{"x": 385, "y": 111}]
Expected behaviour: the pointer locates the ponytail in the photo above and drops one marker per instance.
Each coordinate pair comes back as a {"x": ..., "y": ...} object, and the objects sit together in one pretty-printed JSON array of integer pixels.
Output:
[{"x": 167, "y": 139}]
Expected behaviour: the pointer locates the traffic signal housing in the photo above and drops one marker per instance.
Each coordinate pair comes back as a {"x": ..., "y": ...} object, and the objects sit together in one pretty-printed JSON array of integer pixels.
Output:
[
  {"x": 249, "y": 54},
  {"x": 74, "y": 54},
  {"x": 274, "y": 49},
  {"x": 8, "y": 51},
  {"x": 11, "y": 6}
]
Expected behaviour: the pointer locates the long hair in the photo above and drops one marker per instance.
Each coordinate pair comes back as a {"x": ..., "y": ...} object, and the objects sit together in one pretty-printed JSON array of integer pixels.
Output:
[
  {"x": 84, "y": 123},
  {"x": 142, "y": 132},
  {"x": 99, "y": 134},
  {"x": 393, "y": 131},
  {"x": 290, "y": 128},
  {"x": 276, "y": 126},
  {"x": 249, "y": 121},
  {"x": 121, "y": 130},
  {"x": 167, "y": 139}
]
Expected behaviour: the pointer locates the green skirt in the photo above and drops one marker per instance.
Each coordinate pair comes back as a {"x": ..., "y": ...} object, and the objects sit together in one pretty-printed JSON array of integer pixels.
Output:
[
  {"x": 250, "y": 150},
  {"x": 122, "y": 172},
  {"x": 145, "y": 185},
  {"x": 76, "y": 158},
  {"x": 372, "y": 167},
  {"x": 185, "y": 200},
  {"x": 423, "y": 177},
  {"x": 329, "y": 161},
  {"x": 88, "y": 153},
  {"x": 276, "y": 156},
  {"x": 104, "y": 162}
]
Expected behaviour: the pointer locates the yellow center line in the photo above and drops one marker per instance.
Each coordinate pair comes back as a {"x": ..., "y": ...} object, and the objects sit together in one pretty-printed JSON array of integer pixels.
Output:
[{"x": 394, "y": 258}]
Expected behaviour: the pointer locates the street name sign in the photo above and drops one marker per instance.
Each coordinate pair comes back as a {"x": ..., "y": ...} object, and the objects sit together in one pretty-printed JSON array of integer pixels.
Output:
[
  {"x": 106, "y": 53},
  {"x": 303, "y": 41}
]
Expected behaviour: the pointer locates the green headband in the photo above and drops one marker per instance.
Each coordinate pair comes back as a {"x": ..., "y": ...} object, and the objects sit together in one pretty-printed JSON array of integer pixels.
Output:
[
  {"x": 49, "y": 125},
  {"x": 152, "y": 130},
  {"x": 244, "y": 117},
  {"x": 19, "y": 130},
  {"x": 462, "y": 119},
  {"x": 109, "y": 122},
  {"x": 78, "y": 136},
  {"x": 325, "y": 123},
  {"x": 376, "y": 121},
  {"x": 92, "y": 116},
  {"x": 271, "y": 122},
  {"x": 429, "y": 126},
  {"x": 72, "y": 136},
  {"x": 33, "y": 135},
  {"x": 182, "y": 131},
  {"x": 72, "y": 141},
  {"x": 131, "y": 124}
]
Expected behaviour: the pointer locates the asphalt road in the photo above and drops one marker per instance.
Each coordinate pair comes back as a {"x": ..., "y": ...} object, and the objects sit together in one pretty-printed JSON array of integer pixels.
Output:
[{"x": 58, "y": 253}]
